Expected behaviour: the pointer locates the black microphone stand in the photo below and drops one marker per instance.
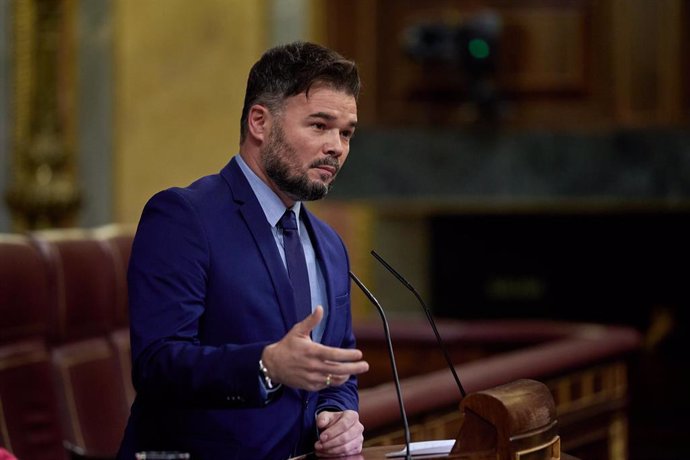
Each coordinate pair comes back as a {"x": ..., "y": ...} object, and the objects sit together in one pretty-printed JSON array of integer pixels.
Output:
[
  {"x": 387, "y": 333},
  {"x": 429, "y": 317}
]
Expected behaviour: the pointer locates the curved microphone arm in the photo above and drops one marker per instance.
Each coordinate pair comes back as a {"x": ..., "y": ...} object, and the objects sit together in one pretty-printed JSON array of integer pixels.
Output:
[
  {"x": 387, "y": 333},
  {"x": 429, "y": 317}
]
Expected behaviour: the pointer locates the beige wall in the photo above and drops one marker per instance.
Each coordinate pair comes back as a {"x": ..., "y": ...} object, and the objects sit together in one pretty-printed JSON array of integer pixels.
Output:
[
  {"x": 181, "y": 70},
  {"x": 180, "y": 75}
]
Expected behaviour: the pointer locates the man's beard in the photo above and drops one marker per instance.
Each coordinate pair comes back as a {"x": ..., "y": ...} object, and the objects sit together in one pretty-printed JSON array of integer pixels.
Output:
[{"x": 283, "y": 168}]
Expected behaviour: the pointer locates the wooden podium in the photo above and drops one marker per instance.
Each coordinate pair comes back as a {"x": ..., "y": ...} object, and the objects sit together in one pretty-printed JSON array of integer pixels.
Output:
[
  {"x": 509, "y": 422},
  {"x": 515, "y": 421}
]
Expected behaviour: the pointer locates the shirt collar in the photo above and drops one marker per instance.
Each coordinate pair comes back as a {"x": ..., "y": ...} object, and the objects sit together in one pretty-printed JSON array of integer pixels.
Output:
[{"x": 271, "y": 204}]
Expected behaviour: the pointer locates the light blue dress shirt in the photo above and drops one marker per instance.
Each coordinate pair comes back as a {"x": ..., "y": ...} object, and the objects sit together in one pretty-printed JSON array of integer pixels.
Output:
[{"x": 274, "y": 209}]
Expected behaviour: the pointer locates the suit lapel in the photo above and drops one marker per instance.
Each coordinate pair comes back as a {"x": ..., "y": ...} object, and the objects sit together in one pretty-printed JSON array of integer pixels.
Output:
[
  {"x": 255, "y": 219},
  {"x": 318, "y": 244}
]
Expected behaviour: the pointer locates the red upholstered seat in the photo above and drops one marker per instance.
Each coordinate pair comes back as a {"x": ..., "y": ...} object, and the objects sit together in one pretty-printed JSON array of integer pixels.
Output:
[
  {"x": 117, "y": 242},
  {"x": 29, "y": 425},
  {"x": 28, "y": 410},
  {"x": 65, "y": 370},
  {"x": 90, "y": 389},
  {"x": 92, "y": 396},
  {"x": 81, "y": 281},
  {"x": 120, "y": 340},
  {"x": 24, "y": 292}
]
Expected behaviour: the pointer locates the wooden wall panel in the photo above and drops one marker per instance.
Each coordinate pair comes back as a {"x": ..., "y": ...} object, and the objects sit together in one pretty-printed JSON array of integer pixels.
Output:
[
  {"x": 560, "y": 63},
  {"x": 545, "y": 50},
  {"x": 648, "y": 57}
]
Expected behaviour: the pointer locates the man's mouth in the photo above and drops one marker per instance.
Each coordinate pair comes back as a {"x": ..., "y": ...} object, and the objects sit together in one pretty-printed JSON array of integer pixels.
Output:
[{"x": 326, "y": 168}]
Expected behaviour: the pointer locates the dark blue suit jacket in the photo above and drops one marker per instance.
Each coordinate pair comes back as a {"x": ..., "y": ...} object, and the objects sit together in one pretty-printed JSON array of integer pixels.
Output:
[{"x": 208, "y": 290}]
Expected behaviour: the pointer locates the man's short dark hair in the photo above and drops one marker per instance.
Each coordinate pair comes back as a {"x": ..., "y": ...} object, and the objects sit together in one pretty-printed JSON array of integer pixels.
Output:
[{"x": 291, "y": 69}]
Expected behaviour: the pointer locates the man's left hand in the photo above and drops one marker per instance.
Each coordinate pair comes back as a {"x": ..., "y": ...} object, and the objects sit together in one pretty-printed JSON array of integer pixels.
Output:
[{"x": 341, "y": 434}]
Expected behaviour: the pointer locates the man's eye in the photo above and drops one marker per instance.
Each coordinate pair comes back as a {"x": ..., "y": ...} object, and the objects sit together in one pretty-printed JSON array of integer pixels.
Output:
[
  {"x": 347, "y": 134},
  {"x": 320, "y": 126}
]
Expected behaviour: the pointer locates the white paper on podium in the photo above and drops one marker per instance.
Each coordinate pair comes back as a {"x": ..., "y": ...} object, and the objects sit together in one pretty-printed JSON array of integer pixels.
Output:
[{"x": 442, "y": 446}]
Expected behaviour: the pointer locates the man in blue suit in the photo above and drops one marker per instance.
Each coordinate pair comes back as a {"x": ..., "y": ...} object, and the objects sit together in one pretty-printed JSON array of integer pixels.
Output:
[{"x": 224, "y": 364}]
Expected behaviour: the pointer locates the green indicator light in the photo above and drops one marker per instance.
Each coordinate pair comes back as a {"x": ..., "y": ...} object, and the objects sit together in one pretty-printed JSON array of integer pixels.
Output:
[{"x": 478, "y": 48}]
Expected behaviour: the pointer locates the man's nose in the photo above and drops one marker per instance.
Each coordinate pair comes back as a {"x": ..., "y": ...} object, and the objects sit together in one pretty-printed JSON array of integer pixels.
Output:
[{"x": 334, "y": 144}]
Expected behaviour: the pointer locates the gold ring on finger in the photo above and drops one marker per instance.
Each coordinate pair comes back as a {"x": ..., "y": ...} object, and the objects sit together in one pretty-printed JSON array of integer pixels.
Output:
[{"x": 328, "y": 380}]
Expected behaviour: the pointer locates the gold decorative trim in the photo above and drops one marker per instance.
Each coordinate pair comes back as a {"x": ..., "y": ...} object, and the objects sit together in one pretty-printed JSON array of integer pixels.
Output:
[
  {"x": 529, "y": 434},
  {"x": 613, "y": 385},
  {"x": 618, "y": 438},
  {"x": 43, "y": 191},
  {"x": 554, "y": 443}
]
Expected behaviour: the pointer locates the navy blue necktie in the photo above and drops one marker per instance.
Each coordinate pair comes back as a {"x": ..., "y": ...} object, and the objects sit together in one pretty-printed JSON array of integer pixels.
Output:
[{"x": 296, "y": 264}]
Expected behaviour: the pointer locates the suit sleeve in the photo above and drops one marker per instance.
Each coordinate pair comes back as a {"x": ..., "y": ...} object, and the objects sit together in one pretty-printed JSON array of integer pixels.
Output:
[{"x": 167, "y": 285}]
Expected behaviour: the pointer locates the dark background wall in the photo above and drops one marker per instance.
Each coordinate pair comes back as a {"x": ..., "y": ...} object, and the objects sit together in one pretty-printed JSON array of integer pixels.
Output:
[
  {"x": 554, "y": 224},
  {"x": 510, "y": 166},
  {"x": 564, "y": 225}
]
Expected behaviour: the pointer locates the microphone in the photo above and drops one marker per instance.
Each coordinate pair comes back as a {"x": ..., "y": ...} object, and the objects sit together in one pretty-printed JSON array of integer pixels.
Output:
[
  {"x": 387, "y": 333},
  {"x": 429, "y": 317}
]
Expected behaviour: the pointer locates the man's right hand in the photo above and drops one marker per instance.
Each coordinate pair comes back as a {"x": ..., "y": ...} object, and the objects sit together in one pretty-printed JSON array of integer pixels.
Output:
[{"x": 298, "y": 362}]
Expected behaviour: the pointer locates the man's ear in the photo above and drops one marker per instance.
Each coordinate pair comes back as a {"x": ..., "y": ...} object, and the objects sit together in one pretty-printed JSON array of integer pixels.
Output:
[{"x": 259, "y": 122}]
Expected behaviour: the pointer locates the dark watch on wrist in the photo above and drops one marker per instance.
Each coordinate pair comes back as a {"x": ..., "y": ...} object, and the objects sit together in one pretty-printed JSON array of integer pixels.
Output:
[{"x": 264, "y": 375}]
